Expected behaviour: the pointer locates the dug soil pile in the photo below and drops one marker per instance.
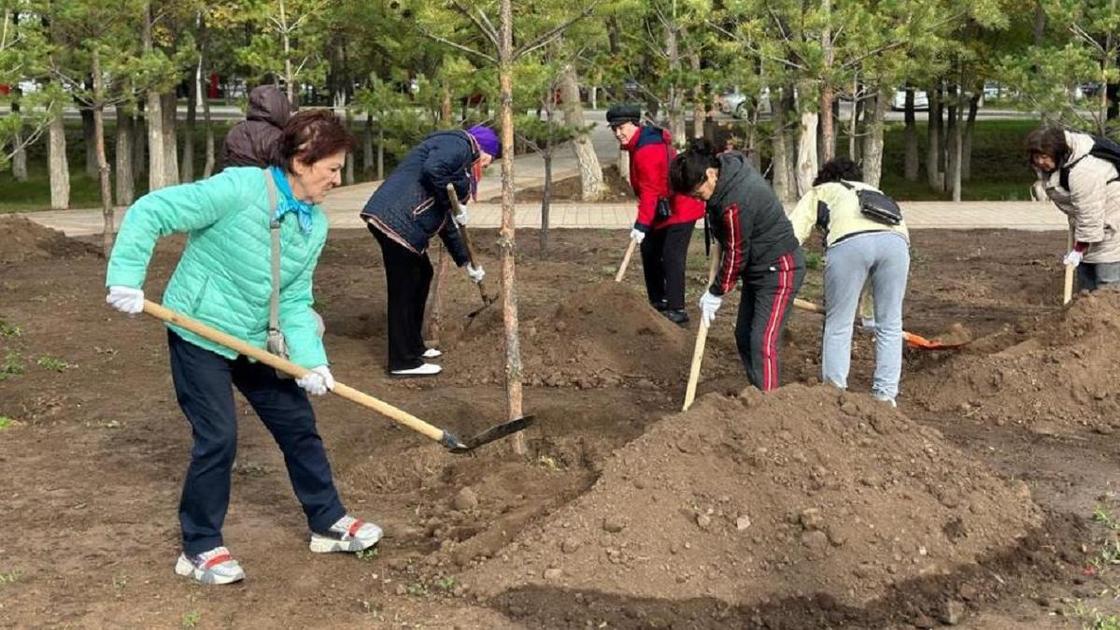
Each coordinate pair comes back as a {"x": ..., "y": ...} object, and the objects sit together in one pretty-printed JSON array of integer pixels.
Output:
[
  {"x": 25, "y": 240},
  {"x": 604, "y": 335},
  {"x": 1059, "y": 373},
  {"x": 806, "y": 492}
]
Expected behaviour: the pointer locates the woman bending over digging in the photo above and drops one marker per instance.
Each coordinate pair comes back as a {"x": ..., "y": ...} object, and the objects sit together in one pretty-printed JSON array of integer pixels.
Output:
[{"x": 224, "y": 280}]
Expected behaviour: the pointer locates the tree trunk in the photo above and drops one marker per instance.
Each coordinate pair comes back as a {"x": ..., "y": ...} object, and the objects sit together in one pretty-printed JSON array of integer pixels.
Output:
[
  {"x": 186, "y": 164},
  {"x": 289, "y": 76},
  {"x": 913, "y": 164},
  {"x": 380, "y": 151},
  {"x": 933, "y": 150},
  {"x": 126, "y": 181},
  {"x": 349, "y": 176},
  {"x": 958, "y": 147},
  {"x": 433, "y": 311},
  {"x": 827, "y": 93},
  {"x": 970, "y": 126},
  {"x": 367, "y": 146},
  {"x": 952, "y": 147},
  {"x": 676, "y": 94},
  {"x": 784, "y": 181},
  {"x": 590, "y": 173},
  {"x": 169, "y": 105},
  {"x": 98, "y": 112},
  {"x": 853, "y": 123},
  {"x": 157, "y": 170},
  {"x": 19, "y": 155},
  {"x": 506, "y": 241},
  {"x": 807, "y": 164},
  {"x": 699, "y": 111},
  {"x": 88, "y": 139},
  {"x": 873, "y": 140},
  {"x": 203, "y": 63},
  {"x": 546, "y": 199},
  {"x": 445, "y": 110},
  {"x": 139, "y": 143},
  {"x": 58, "y": 167}
]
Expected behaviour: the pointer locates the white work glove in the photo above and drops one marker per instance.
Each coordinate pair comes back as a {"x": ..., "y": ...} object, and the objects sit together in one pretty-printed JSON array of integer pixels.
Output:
[
  {"x": 476, "y": 274},
  {"x": 461, "y": 216},
  {"x": 1073, "y": 258},
  {"x": 126, "y": 299},
  {"x": 709, "y": 304},
  {"x": 318, "y": 381},
  {"x": 637, "y": 235}
]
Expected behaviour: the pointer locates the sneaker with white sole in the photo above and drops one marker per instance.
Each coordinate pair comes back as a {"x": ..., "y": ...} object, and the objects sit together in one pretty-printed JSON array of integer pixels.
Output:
[
  {"x": 216, "y": 566},
  {"x": 424, "y": 369},
  {"x": 432, "y": 353},
  {"x": 348, "y": 534},
  {"x": 884, "y": 398}
]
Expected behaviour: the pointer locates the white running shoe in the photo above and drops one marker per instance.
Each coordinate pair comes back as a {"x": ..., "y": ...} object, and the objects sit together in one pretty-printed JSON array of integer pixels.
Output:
[
  {"x": 216, "y": 566},
  {"x": 425, "y": 369},
  {"x": 348, "y": 534},
  {"x": 432, "y": 353}
]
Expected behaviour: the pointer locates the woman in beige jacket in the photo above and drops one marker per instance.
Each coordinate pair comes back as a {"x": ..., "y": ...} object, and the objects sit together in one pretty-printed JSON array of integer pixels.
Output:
[{"x": 1087, "y": 189}]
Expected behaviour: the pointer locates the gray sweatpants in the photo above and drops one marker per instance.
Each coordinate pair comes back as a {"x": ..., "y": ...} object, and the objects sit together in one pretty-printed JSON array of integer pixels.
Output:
[{"x": 884, "y": 258}]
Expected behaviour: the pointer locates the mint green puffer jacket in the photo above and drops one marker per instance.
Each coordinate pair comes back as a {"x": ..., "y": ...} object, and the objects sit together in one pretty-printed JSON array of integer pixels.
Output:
[{"x": 224, "y": 277}]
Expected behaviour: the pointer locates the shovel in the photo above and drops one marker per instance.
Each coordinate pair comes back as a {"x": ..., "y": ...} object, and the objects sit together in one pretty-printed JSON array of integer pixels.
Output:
[
  {"x": 701, "y": 340},
  {"x": 444, "y": 437},
  {"x": 912, "y": 340},
  {"x": 625, "y": 261},
  {"x": 458, "y": 207}
]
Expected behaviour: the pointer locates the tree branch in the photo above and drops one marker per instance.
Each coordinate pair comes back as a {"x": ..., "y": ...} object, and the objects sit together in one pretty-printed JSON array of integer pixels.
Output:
[
  {"x": 482, "y": 25},
  {"x": 742, "y": 42},
  {"x": 556, "y": 32},
  {"x": 447, "y": 42}
]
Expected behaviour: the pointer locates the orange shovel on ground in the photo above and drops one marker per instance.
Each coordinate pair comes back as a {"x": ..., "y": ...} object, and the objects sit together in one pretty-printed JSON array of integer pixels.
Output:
[{"x": 912, "y": 340}]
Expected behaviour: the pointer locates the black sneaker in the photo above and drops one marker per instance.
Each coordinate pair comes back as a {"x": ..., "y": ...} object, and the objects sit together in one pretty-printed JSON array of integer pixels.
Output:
[
  {"x": 661, "y": 306},
  {"x": 677, "y": 316}
]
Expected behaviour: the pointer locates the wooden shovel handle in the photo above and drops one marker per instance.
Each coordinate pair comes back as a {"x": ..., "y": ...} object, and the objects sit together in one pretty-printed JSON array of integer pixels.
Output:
[
  {"x": 458, "y": 207},
  {"x": 625, "y": 261},
  {"x": 291, "y": 369},
  {"x": 701, "y": 340},
  {"x": 1067, "y": 286}
]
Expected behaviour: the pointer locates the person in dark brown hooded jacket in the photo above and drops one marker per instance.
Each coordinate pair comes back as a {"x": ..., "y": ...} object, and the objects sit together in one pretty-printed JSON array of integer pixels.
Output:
[{"x": 254, "y": 141}]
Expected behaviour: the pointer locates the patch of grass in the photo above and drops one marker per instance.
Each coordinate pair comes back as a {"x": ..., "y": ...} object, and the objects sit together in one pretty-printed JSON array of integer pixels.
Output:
[
  {"x": 53, "y": 364},
  {"x": 367, "y": 554},
  {"x": 447, "y": 584},
  {"x": 813, "y": 260},
  {"x": 418, "y": 589},
  {"x": 9, "y": 577},
  {"x": 12, "y": 365},
  {"x": 8, "y": 330},
  {"x": 191, "y": 619},
  {"x": 5, "y": 422}
]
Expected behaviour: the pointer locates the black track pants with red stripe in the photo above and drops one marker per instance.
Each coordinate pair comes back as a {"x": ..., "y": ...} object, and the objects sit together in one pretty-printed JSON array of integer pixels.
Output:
[{"x": 767, "y": 298}]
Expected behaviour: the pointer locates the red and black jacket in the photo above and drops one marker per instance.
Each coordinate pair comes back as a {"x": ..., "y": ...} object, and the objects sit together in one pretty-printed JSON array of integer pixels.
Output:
[
  {"x": 650, "y": 151},
  {"x": 747, "y": 220}
]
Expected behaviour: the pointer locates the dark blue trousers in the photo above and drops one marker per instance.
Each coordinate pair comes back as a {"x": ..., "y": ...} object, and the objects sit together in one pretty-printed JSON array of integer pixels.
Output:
[{"x": 203, "y": 382}]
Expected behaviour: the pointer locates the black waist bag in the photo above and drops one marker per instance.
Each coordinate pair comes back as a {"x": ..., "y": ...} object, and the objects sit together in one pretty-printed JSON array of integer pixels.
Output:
[{"x": 876, "y": 206}]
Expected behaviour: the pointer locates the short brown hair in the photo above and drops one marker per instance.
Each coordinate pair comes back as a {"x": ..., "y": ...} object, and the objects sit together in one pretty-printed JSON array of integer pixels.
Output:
[
  {"x": 1049, "y": 141},
  {"x": 311, "y": 135}
]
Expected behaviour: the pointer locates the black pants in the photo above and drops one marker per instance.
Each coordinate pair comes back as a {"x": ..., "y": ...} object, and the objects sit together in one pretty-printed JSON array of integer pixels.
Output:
[
  {"x": 664, "y": 253},
  {"x": 408, "y": 277},
  {"x": 767, "y": 297},
  {"x": 203, "y": 382}
]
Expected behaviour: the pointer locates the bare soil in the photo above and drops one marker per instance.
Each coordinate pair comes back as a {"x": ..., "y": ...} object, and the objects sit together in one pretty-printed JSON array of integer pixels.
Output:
[{"x": 809, "y": 508}]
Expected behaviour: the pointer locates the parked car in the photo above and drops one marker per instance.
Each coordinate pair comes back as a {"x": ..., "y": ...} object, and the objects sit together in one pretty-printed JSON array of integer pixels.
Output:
[
  {"x": 740, "y": 105},
  {"x": 921, "y": 100}
]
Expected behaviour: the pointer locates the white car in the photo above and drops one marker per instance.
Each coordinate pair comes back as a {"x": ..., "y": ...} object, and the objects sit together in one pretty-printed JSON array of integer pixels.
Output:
[{"x": 736, "y": 103}]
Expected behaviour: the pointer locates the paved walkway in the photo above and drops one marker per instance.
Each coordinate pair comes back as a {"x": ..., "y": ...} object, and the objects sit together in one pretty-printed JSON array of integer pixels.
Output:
[{"x": 342, "y": 204}]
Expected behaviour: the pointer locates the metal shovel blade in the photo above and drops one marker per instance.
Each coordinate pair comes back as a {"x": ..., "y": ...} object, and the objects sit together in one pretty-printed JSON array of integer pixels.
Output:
[{"x": 497, "y": 432}]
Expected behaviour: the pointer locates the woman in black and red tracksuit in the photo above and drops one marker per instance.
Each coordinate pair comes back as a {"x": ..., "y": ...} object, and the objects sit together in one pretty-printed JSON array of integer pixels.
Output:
[
  {"x": 664, "y": 240},
  {"x": 757, "y": 244}
]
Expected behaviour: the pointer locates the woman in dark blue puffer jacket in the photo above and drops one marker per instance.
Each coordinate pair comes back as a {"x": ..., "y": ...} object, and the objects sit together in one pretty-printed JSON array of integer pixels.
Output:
[{"x": 406, "y": 211}]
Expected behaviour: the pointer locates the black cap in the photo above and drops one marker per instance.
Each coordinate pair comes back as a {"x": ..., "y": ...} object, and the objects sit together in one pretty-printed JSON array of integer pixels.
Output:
[{"x": 622, "y": 113}]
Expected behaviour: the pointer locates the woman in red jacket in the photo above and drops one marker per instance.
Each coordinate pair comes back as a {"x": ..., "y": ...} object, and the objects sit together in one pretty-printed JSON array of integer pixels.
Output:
[{"x": 663, "y": 236}]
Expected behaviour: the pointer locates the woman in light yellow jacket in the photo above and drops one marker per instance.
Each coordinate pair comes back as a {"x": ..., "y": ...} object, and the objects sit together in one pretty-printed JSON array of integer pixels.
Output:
[{"x": 858, "y": 248}]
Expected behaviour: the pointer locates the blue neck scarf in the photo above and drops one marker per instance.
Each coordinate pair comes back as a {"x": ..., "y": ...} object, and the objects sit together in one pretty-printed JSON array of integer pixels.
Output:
[{"x": 288, "y": 202}]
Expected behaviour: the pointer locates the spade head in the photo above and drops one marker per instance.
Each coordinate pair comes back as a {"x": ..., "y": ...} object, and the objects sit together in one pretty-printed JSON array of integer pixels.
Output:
[{"x": 497, "y": 432}]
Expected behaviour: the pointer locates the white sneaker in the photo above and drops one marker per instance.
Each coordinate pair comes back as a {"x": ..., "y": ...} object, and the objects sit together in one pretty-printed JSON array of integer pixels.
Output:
[
  {"x": 884, "y": 398},
  {"x": 432, "y": 353},
  {"x": 216, "y": 566},
  {"x": 425, "y": 369},
  {"x": 348, "y": 534}
]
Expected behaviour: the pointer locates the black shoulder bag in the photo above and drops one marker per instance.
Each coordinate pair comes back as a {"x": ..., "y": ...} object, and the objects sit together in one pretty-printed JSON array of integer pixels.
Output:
[{"x": 875, "y": 205}]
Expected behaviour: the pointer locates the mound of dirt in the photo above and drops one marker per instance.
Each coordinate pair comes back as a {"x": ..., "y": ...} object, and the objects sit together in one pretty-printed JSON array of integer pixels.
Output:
[
  {"x": 606, "y": 335},
  {"x": 1059, "y": 375},
  {"x": 804, "y": 492},
  {"x": 27, "y": 240}
]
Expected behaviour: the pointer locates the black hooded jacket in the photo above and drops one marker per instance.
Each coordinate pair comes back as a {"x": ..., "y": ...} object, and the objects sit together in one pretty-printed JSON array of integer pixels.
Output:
[{"x": 255, "y": 141}]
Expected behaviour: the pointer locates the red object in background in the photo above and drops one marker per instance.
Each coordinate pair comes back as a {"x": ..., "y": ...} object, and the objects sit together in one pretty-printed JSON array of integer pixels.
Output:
[
  {"x": 5, "y": 89},
  {"x": 212, "y": 89}
]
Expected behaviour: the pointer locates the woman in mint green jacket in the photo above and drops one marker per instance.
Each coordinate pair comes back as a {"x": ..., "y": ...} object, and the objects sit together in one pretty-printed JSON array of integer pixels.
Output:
[{"x": 224, "y": 280}]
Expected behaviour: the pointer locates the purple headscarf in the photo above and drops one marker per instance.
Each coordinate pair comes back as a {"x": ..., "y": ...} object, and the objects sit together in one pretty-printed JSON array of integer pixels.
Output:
[{"x": 487, "y": 140}]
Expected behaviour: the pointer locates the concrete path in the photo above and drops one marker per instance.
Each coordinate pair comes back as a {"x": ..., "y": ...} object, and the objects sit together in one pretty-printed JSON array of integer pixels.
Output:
[{"x": 343, "y": 204}]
